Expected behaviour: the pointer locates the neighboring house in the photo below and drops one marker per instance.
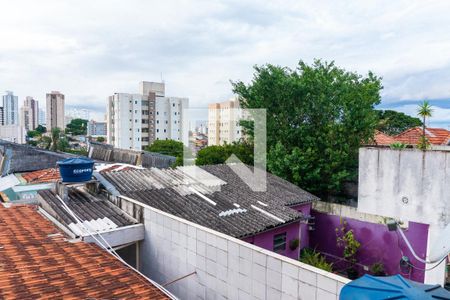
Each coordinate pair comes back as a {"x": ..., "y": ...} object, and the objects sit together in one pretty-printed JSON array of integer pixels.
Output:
[
  {"x": 436, "y": 136},
  {"x": 96, "y": 213},
  {"x": 38, "y": 261},
  {"x": 95, "y": 128},
  {"x": 13, "y": 133},
  {"x": 382, "y": 139},
  {"x": 107, "y": 153},
  {"x": 215, "y": 197}
]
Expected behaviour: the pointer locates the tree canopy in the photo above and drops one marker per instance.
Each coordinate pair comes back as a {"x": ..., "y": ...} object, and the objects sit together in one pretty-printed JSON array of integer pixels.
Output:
[
  {"x": 213, "y": 155},
  {"x": 317, "y": 117},
  {"x": 393, "y": 122},
  {"x": 77, "y": 127},
  {"x": 167, "y": 147}
]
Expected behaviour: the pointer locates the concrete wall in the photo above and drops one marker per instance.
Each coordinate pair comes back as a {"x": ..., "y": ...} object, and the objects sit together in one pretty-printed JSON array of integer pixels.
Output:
[
  {"x": 225, "y": 267},
  {"x": 411, "y": 185},
  {"x": 377, "y": 243}
]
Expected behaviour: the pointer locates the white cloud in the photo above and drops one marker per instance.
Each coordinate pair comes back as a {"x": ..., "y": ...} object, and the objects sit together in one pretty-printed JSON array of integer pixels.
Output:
[{"x": 91, "y": 49}]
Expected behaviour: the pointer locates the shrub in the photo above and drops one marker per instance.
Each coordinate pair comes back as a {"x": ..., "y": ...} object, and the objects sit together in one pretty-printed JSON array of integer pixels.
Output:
[{"x": 315, "y": 259}]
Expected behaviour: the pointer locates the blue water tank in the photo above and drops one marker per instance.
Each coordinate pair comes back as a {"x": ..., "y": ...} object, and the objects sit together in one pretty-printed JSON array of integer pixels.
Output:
[
  {"x": 77, "y": 169},
  {"x": 391, "y": 287}
]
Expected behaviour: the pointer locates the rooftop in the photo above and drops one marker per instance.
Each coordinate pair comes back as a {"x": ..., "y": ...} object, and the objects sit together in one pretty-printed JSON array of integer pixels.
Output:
[
  {"x": 216, "y": 198},
  {"x": 17, "y": 158},
  {"x": 96, "y": 212},
  {"x": 436, "y": 136},
  {"x": 42, "y": 176},
  {"x": 38, "y": 262},
  {"x": 381, "y": 138}
]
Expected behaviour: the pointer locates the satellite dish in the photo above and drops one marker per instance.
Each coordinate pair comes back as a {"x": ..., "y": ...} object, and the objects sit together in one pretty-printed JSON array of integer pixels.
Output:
[{"x": 441, "y": 246}]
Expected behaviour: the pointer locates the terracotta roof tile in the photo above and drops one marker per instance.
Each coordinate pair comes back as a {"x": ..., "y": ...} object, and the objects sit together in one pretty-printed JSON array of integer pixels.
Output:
[
  {"x": 383, "y": 139},
  {"x": 37, "y": 262},
  {"x": 436, "y": 136},
  {"x": 42, "y": 176}
]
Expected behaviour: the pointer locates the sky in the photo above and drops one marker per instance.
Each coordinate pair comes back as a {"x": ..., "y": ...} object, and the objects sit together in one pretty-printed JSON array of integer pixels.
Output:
[{"x": 89, "y": 50}]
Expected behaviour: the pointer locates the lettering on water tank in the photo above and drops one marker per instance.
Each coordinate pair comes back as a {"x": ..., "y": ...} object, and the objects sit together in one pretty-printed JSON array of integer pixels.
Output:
[{"x": 80, "y": 171}]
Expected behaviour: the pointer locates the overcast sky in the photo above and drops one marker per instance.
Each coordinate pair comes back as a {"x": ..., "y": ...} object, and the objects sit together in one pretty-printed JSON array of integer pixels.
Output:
[{"x": 91, "y": 49}]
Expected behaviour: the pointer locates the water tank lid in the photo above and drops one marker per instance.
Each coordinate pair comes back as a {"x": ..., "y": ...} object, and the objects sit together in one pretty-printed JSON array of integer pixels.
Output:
[
  {"x": 391, "y": 287},
  {"x": 75, "y": 161}
]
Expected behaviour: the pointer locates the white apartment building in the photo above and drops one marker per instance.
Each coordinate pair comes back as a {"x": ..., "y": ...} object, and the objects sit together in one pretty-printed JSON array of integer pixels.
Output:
[
  {"x": 10, "y": 109},
  {"x": 29, "y": 114},
  {"x": 13, "y": 133},
  {"x": 55, "y": 110},
  {"x": 223, "y": 122},
  {"x": 134, "y": 121},
  {"x": 95, "y": 128}
]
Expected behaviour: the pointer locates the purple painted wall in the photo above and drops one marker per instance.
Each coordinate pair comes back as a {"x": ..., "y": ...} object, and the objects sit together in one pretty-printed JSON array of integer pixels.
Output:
[
  {"x": 377, "y": 243},
  {"x": 265, "y": 239}
]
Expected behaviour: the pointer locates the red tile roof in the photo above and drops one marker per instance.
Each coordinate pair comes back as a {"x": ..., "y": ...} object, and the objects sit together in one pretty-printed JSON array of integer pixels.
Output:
[
  {"x": 37, "y": 262},
  {"x": 42, "y": 176},
  {"x": 383, "y": 139},
  {"x": 436, "y": 136}
]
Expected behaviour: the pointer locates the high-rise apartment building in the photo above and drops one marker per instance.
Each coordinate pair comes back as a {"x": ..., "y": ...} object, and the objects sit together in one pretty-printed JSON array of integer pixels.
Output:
[
  {"x": 29, "y": 114},
  {"x": 10, "y": 109},
  {"x": 223, "y": 122},
  {"x": 134, "y": 121},
  {"x": 2, "y": 116},
  {"x": 95, "y": 128},
  {"x": 55, "y": 110}
]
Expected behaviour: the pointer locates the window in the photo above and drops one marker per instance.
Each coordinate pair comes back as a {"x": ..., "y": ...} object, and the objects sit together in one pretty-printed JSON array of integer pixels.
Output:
[
  {"x": 157, "y": 121},
  {"x": 166, "y": 121},
  {"x": 173, "y": 104},
  {"x": 157, "y": 130},
  {"x": 164, "y": 130},
  {"x": 279, "y": 242}
]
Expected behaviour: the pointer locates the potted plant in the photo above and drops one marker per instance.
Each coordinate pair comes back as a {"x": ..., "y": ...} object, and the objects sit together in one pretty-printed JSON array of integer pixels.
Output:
[
  {"x": 346, "y": 239},
  {"x": 377, "y": 269},
  {"x": 293, "y": 244}
]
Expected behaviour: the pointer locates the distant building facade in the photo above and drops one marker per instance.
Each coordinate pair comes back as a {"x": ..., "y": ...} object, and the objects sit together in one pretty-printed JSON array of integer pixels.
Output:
[
  {"x": 55, "y": 110},
  {"x": 29, "y": 114},
  {"x": 2, "y": 116},
  {"x": 41, "y": 116},
  {"x": 13, "y": 133},
  {"x": 134, "y": 121},
  {"x": 223, "y": 122},
  {"x": 95, "y": 128},
  {"x": 10, "y": 109}
]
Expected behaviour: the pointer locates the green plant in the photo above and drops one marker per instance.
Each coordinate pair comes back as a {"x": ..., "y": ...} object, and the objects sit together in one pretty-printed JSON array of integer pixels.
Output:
[
  {"x": 397, "y": 146},
  {"x": 346, "y": 239},
  {"x": 293, "y": 244},
  {"x": 315, "y": 259},
  {"x": 425, "y": 111},
  {"x": 377, "y": 269}
]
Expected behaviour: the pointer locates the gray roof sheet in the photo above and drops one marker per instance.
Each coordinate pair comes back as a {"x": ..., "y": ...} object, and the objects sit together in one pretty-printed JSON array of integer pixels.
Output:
[{"x": 234, "y": 212}]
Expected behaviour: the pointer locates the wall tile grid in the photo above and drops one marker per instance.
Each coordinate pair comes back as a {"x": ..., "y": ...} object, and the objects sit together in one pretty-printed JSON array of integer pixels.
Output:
[{"x": 226, "y": 268}]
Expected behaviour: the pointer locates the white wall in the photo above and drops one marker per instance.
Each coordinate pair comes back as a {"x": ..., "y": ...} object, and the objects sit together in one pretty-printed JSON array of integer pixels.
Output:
[
  {"x": 226, "y": 268},
  {"x": 411, "y": 185}
]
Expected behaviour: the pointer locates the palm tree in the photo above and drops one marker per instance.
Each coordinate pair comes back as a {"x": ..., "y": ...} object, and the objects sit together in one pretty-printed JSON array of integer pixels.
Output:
[{"x": 425, "y": 111}]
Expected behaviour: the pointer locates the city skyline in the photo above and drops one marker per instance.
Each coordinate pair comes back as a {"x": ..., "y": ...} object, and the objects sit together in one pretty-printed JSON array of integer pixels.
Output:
[{"x": 197, "y": 59}]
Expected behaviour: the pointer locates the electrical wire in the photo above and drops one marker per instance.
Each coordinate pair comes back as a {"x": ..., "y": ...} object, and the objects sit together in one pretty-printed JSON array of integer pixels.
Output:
[{"x": 109, "y": 248}]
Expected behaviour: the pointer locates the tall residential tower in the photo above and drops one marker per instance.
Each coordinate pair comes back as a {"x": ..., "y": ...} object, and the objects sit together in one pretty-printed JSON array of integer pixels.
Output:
[
  {"x": 134, "y": 121},
  {"x": 10, "y": 109},
  {"x": 223, "y": 122},
  {"x": 29, "y": 114},
  {"x": 55, "y": 110}
]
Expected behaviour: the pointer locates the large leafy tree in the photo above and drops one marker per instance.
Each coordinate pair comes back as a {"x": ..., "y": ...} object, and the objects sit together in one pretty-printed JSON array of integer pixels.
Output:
[
  {"x": 393, "y": 122},
  {"x": 167, "y": 147},
  {"x": 317, "y": 117},
  {"x": 77, "y": 127}
]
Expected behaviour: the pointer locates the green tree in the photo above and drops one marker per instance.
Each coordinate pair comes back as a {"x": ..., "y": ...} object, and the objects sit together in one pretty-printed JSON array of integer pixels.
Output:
[
  {"x": 393, "y": 122},
  {"x": 425, "y": 111},
  {"x": 167, "y": 147},
  {"x": 45, "y": 142},
  {"x": 55, "y": 136},
  {"x": 77, "y": 127},
  {"x": 33, "y": 133},
  {"x": 63, "y": 144},
  {"x": 101, "y": 139},
  {"x": 317, "y": 117},
  {"x": 213, "y": 155},
  {"x": 41, "y": 129}
]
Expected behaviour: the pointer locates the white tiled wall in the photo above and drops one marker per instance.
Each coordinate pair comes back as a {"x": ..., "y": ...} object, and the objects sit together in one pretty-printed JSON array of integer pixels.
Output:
[{"x": 226, "y": 268}]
